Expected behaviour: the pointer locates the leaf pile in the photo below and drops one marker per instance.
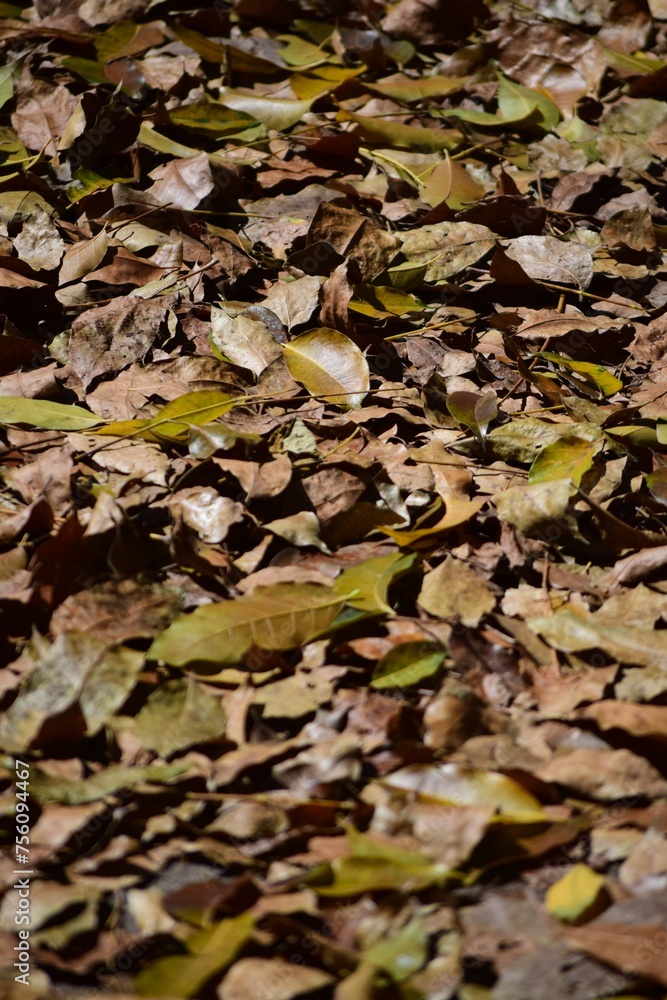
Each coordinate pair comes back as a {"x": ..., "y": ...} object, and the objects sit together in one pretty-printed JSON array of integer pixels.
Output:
[{"x": 334, "y": 492}]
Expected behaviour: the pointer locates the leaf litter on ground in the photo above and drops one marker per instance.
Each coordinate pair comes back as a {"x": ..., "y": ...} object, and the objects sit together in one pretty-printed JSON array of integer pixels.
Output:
[{"x": 332, "y": 564}]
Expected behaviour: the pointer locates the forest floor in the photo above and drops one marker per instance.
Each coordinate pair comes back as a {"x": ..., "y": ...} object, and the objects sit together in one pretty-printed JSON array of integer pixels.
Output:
[{"x": 333, "y": 523}]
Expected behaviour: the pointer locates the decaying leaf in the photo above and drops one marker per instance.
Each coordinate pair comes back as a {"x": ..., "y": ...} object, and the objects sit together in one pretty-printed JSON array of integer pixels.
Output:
[{"x": 333, "y": 500}]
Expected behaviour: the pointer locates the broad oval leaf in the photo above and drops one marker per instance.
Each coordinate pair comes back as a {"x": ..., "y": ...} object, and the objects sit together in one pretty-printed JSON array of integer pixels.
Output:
[
  {"x": 277, "y": 617},
  {"x": 243, "y": 341},
  {"x": 516, "y": 101},
  {"x": 460, "y": 785},
  {"x": 599, "y": 378},
  {"x": 272, "y": 112},
  {"x": 569, "y": 457},
  {"x": 45, "y": 414},
  {"x": 576, "y": 896},
  {"x": 209, "y": 117},
  {"x": 457, "y": 512},
  {"x": 209, "y": 952},
  {"x": 544, "y": 258},
  {"x": 394, "y": 135},
  {"x": 407, "y": 664},
  {"x": 473, "y": 410},
  {"x": 83, "y": 257},
  {"x": 328, "y": 364},
  {"x": 406, "y": 89},
  {"x": 370, "y": 580}
]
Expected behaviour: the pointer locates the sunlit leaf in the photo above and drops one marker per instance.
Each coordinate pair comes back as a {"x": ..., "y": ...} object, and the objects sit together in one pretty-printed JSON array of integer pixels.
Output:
[
  {"x": 408, "y": 89},
  {"x": 473, "y": 410},
  {"x": 569, "y": 457},
  {"x": 6, "y": 82},
  {"x": 214, "y": 118},
  {"x": 397, "y": 136},
  {"x": 210, "y": 951},
  {"x": 83, "y": 257},
  {"x": 576, "y": 896},
  {"x": 173, "y": 421},
  {"x": 330, "y": 365},
  {"x": 456, "y": 784},
  {"x": 407, "y": 664},
  {"x": 276, "y": 617},
  {"x": 369, "y": 581},
  {"x": 516, "y": 101},
  {"x": 457, "y": 512},
  {"x": 45, "y": 414},
  {"x": 599, "y": 377},
  {"x": 400, "y": 954},
  {"x": 271, "y": 111}
]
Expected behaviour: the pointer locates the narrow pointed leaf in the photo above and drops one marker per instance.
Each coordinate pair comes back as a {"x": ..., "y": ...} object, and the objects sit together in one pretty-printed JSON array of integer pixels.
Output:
[
  {"x": 45, "y": 414},
  {"x": 173, "y": 421}
]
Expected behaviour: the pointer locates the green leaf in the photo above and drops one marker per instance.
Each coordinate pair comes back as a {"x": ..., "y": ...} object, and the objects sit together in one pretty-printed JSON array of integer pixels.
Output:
[
  {"x": 401, "y": 954},
  {"x": 577, "y": 896},
  {"x": 161, "y": 144},
  {"x": 396, "y": 136},
  {"x": 89, "y": 69},
  {"x": 209, "y": 50},
  {"x": 12, "y": 150},
  {"x": 569, "y": 457},
  {"x": 180, "y": 714},
  {"x": 407, "y": 664},
  {"x": 330, "y": 365},
  {"x": 6, "y": 82},
  {"x": 278, "y": 617},
  {"x": 516, "y": 101},
  {"x": 45, "y": 414},
  {"x": 77, "y": 669},
  {"x": 518, "y": 106},
  {"x": 628, "y": 65},
  {"x": 375, "y": 865},
  {"x": 369, "y": 582},
  {"x": 538, "y": 509},
  {"x": 451, "y": 183},
  {"x": 473, "y": 410},
  {"x": 408, "y": 89},
  {"x": 210, "y": 951},
  {"x": 657, "y": 482},
  {"x": 193, "y": 409},
  {"x": 299, "y": 51},
  {"x": 406, "y": 275},
  {"x": 522, "y": 439},
  {"x": 209, "y": 117},
  {"x": 355, "y": 876},
  {"x": 381, "y": 302},
  {"x": 446, "y": 248},
  {"x": 86, "y": 182},
  {"x": 272, "y": 112},
  {"x": 116, "y": 41},
  {"x": 207, "y": 440},
  {"x": 595, "y": 375},
  {"x": 322, "y": 80},
  {"x": 68, "y": 791}
]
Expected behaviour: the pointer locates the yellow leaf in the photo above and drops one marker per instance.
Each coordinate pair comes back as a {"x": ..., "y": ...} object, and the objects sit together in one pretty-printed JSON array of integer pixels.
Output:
[
  {"x": 329, "y": 365},
  {"x": 577, "y": 896}
]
